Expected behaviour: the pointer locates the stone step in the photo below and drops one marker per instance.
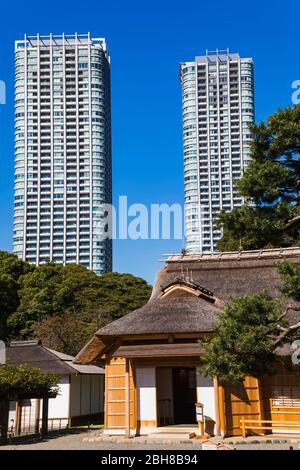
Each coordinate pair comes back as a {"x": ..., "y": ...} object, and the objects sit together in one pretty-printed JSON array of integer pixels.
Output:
[{"x": 176, "y": 429}]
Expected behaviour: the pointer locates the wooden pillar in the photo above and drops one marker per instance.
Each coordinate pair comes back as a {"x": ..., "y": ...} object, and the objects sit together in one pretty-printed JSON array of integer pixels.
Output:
[
  {"x": 45, "y": 416},
  {"x": 18, "y": 418},
  {"x": 127, "y": 398},
  {"x": 4, "y": 413},
  {"x": 37, "y": 416},
  {"x": 134, "y": 394},
  {"x": 243, "y": 426},
  {"x": 106, "y": 395},
  {"x": 260, "y": 401},
  {"x": 217, "y": 407},
  {"x": 222, "y": 408}
]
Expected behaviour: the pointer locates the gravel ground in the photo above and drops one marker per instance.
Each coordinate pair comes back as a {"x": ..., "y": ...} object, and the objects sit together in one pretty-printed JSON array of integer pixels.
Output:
[{"x": 89, "y": 440}]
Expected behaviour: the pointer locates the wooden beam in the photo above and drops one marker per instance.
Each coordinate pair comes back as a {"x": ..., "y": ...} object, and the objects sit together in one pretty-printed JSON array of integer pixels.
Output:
[
  {"x": 145, "y": 336},
  {"x": 182, "y": 361},
  {"x": 155, "y": 336}
]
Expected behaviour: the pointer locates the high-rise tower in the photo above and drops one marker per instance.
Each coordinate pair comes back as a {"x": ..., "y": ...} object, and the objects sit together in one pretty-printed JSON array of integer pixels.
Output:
[
  {"x": 62, "y": 150},
  {"x": 218, "y": 106}
]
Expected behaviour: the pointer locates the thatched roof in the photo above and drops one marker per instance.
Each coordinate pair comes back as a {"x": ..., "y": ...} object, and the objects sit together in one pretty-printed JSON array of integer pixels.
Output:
[
  {"x": 178, "y": 312},
  {"x": 190, "y": 292},
  {"x": 228, "y": 275}
]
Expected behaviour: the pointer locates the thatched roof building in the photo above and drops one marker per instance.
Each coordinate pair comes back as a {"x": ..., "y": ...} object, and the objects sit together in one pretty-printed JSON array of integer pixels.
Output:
[
  {"x": 152, "y": 356},
  {"x": 190, "y": 292}
]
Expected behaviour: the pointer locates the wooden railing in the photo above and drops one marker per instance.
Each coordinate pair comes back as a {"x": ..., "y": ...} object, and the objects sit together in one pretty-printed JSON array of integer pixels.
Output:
[
  {"x": 34, "y": 427},
  {"x": 57, "y": 423},
  {"x": 258, "y": 424}
]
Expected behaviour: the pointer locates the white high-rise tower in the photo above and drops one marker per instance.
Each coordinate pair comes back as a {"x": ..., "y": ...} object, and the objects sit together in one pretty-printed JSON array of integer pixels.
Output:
[
  {"x": 218, "y": 106},
  {"x": 62, "y": 150}
]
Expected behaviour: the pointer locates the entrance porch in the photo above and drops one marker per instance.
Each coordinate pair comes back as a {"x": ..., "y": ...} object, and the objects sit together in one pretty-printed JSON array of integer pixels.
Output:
[
  {"x": 166, "y": 398},
  {"x": 176, "y": 395},
  {"x": 157, "y": 395}
]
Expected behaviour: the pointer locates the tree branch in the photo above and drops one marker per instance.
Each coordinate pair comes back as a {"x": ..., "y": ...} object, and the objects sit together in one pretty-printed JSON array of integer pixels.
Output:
[
  {"x": 292, "y": 222},
  {"x": 286, "y": 333},
  {"x": 288, "y": 307}
]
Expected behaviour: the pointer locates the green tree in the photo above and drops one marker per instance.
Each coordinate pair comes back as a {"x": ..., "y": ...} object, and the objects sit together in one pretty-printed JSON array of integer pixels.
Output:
[
  {"x": 34, "y": 299},
  {"x": 11, "y": 272},
  {"x": 21, "y": 381},
  {"x": 54, "y": 291},
  {"x": 11, "y": 265},
  {"x": 67, "y": 332},
  {"x": 25, "y": 379},
  {"x": 290, "y": 274},
  {"x": 251, "y": 328},
  {"x": 120, "y": 294},
  {"x": 9, "y": 301},
  {"x": 270, "y": 186}
]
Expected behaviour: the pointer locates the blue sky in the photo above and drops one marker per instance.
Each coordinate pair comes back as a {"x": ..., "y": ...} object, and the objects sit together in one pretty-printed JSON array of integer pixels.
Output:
[{"x": 146, "y": 40}]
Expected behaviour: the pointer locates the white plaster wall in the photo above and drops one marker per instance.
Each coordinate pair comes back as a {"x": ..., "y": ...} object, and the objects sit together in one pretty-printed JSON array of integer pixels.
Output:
[
  {"x": 87, "y": 397},
  {"x": 87, "y": 394},
  {"x": 206, "y": 395},
  {"x": 97, "y": 393},
  {"x": 102, "y": 388},
  {"x": 146, "y": 393},
  {"x": 59, "y": 406}
]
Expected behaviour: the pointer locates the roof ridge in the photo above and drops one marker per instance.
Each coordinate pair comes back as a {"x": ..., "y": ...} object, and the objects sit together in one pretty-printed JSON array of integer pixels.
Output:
[
  {"x": 69, "y": 362},
  {"x": 24, "y": 343},
  {"x": 50, "y": 351},
  {"x": 232, "y": 255}
]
